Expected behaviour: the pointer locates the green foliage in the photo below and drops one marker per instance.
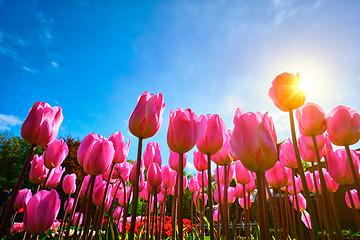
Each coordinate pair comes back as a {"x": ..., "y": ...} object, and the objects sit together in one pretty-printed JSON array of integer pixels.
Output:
[{"x": 13, "y": 152}]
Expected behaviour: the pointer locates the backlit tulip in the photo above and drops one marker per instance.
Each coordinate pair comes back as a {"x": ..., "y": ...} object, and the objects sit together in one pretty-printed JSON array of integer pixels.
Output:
[
  {"x": 308, "y": 154},
  {"x": 122, "y": 195},
  {"x": 311, "y": 118},
  {"x": 184, "y": 130},
  {"x": 343, "y": 126},
  {"x": 132, "y": 176},
  {"x": 168, "y": 177},
  {"x": 320, "y": 141},
  {"x": 200, "y": 161},
  {"x": 310, "y": 182},
  {"x": 76, "y": 219},
  {"x": 231, "y": 194},
  {"x": 331, "y": 185},
  {"x": 225, "y": 156},
  {"x": 286, "y": 93},
  {"x": 117, "y": 212},
  {"x": 174, "y": 160},
  {"x": 152, "y": 154},
  {"x": 253, "y": 141},
  {"x": 242, "y": 175},
  {"x": 239, "y": 191},
  {"x": 55, "y": 153},
  {"x": 298, "y": 186},
  {"x": 355, "y": 198},
  {"x": 98, "y": 195},
  {"x": 69, "y": 183},
  {"x": 287, "y": 154},
  {"x": 42, "y": 124},
  {"x": 276, "y": 176},
  {"x": 230, "y": 173},
  {"x": 212, "y": 136},
  {"x": 41, "y": 211},
  {"x": 154, "y": 177},
  {"x": 154, "y": 190},
  {"x": 121, "y": 148},
  {"x": 22, "y": 198},
  {"x": 38, "y": 171},
  {"x": 95, "y": 154},
  {"x": 339, "y": 167},
  {"x": 146, "y": 118}
]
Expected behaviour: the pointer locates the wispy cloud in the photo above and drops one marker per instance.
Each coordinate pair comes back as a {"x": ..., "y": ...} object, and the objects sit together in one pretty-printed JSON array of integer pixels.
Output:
[{"x": 6, "y": 121}]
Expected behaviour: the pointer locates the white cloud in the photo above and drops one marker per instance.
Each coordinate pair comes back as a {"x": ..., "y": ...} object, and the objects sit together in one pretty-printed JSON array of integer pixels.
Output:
[
  {"x": 229, "y": 104},
  {"x": 190, "y": 166},
  {"x": 55, "y": 64},
  {"x": 8, "y": 120}
]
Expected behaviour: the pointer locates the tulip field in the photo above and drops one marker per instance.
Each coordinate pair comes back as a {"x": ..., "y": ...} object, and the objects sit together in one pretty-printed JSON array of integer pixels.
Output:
[{"x": 261, "y": 188}]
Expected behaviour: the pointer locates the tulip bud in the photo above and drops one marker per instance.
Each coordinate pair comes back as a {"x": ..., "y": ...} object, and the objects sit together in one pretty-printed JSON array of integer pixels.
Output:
[
  {"x": 343, "y": 126},
  {"x": 301, "y": 201},
  {"x": 152, "y": 154},
  {"x": 287, "y": 154},
  {"x": 146, "y": 118},
  {"x": 311, "y": 118},
  {"x": 168, "y": 177},
  {"x": 193, "y": 185},
  {"x": 242, "y": 175},
  {"x": 354, "y": 197},
  {"x": 121, "y": 148},
  {"x": 76, "y": 219},
  {"x": 212, "y": 136},
  {"x": 55, "y": 153},
  {"x": 69, "y": 183},
  {"x": 69, "y": 204},
  {"x": 247, "y": 201},
  {"x": 276, "y": 176},
  {"x": 42, "y": 124},
  {"x": 174, "y": 160},
  {"x": 55, "y": 177},
  {"x": 200, "y": 161},
  {"x": 225, "y": 156},
  {"x": 154, "y": 177},
  {"x": 202, "y": 179},
  {"x": 184, "y": 130},
  {"x": 22, "y": 198},
  {"x": 339, "y": 167}
]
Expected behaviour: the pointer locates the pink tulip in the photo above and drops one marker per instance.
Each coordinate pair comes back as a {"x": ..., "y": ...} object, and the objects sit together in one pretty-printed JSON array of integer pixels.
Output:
[
  {"x": 185, "y": 183},
  {"x": 41, "y": 211},
  {"x": 288, "y": 172},
  {"x": 38, "y": 171},
  {"x": 95, "y": 154},
  {"x": 174, "y": 160},
  {"x": 144, "y": 193},
  {"x": 212, "y": 136},
  {"x": 355, "y": 198},
  {"x": 239, "y": 191},
  {"x": 305, "y": 218},
  {"x": 160, "y": 198},
  {"x": 154, "y": 177},
  {"x": 132, "y": 176},
  {"x": 301, "y": 200},
  {"x": 146, "y": 118},
  {"x": 98, "y": 195},
  {"x": 286, "y": 93},
  {"x": 231, "y": 194},
  {"x": 287, "y": 154},
  {"x": 328, "y": 145},
  {"x": 76, "y": 219},
  {"x": 216, "y": 215},
  {"x": 230, "y": 173},
  {"x": 250, "y": 187},
  {"x": 198, "y": 199},
  {"x": 121, "y": 197},
  {"x": 199, "y": 177},
  {"x": 248, "y": 203},
  {"x": 117, "y": 212},
  {"x": 121, "y": 148},
  {"x": 332, "y": 186},
  {"x": 22, "y": 198},
  {"x": 298, "y": 185},
  {"x": 253, "y": 141},
  {"x": 225, "y": 156},
  {"x": 311, "y": 118},
  {"x": 310, "y": 182},
  {"x": 339, "y": 167},
  {"x": 200, "y": 161},
  {"x": 69, "y": 204},
  {"x": 306, "y": 153},
  {"x": 193, "y": 185},
  {"x": 122, "y": 170},
  {"x": 276, "y": 176},
  {"x": 308, "y": 142},
  {"x": 184, "y": 130},
  {"x": 242, "y": 175},
  {"x": 168, "y": 177},
  {"x": 84, "y": 186},
  {"x": 42, "y": 124},
  {"x": 69, "y": 183},
  {"x": 55, "y": 177},
  {"x": 55, "y": 153},
  {"x": 152, "y": 154},
  {"x": 343, "y": 126},
  {"x": 154, "y": 189}
]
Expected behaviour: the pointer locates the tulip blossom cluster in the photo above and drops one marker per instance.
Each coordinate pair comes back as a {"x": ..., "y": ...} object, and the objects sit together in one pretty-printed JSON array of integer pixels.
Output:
[{"x": 252, "y": 170}]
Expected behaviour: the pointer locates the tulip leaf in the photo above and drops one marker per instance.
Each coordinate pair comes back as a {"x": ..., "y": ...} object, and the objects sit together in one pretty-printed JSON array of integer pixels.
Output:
[
  {"x": 140, "y": 231},
  {"x": 113, "y": 232}
]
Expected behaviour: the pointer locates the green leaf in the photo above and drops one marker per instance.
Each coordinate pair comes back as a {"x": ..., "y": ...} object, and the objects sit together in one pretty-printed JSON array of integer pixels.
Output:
[
  {"x": 140, "y": 231},
  {"x": 113, "y": 232}
]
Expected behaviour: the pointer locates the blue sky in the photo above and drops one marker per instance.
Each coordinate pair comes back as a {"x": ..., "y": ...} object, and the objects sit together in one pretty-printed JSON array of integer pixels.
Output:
[{"x": 94, "y": 58}]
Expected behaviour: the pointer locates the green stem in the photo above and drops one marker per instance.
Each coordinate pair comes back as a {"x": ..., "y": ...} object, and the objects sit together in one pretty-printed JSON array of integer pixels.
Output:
[
  {"x": 136, "y": 192},
  {"x": 302, "y": 176}
]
